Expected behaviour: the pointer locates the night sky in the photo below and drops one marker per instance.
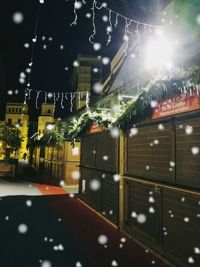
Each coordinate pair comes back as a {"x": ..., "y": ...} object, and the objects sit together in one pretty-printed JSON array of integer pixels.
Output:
[{"x": 54, "y": 17}]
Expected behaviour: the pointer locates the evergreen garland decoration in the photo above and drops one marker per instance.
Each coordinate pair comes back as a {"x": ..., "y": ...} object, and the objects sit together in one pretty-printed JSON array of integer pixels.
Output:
[
  {"x": 81, "y": 125},
  {"x": 159, "y": 89}
]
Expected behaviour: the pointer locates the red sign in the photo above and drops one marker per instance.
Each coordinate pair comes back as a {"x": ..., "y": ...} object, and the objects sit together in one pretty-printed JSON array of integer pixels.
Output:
[
  {"x": 179, "y": 104},
  {"x": 95, "y": 128}
]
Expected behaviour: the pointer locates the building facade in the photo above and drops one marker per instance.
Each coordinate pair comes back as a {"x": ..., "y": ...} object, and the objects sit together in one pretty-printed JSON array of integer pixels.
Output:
[
  {"x": 88, "y": 72},
  {"x": 47, "y": 116},
  {"x": 17, "y": 114}
]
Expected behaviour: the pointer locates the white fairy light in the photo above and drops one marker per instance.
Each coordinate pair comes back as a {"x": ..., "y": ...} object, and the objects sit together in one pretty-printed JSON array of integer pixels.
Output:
[
  {"x": 62, "y": 99},
  {"x": 93, "y": 23},
  {"x": 50, "y": 95},
  {"x": 72, "y": 95},
  {"x": 109, "y": 28},
  {"x": 54, "y": 102},
  {"x": 41, "y": 1},
  {"x": 87, "y": 102},
  {"x": 116, "y": 20},
  {"x": 37, "y": 97},
  {"x": 126, "y": 38},
  {"x": 75, "y": 14}
]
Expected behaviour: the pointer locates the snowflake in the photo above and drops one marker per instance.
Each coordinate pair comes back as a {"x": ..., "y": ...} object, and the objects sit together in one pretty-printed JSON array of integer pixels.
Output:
[
  {"x": 75, "y": 175},
  {"x": 105, "y": 60},
  {"x": 95, "y": 185},
  {"x": 102, "y": 239},
  {"x": 22, "y": 228},
  {"x": 98, "y": 87},
  {"x": 97, "y": 46},
  {"x": 18, "y": 17}
]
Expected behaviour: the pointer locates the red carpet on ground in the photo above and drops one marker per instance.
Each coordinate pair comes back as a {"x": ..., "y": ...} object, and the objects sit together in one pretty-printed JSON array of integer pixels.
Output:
[
  {"x": 86, "y": 226},
  {"x": 50, "y": 190}
]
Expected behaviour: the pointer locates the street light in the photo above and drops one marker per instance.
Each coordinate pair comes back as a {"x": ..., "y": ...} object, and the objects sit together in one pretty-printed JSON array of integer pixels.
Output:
[
  {"x": 158, "y": 52},
  {"x": 50, "y": 127}
]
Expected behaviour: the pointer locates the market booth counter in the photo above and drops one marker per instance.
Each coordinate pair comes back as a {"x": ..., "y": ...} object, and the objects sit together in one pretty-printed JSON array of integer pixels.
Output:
[
  {"x": 99, "y": 165},
  {"x": 161, "y": 192}
]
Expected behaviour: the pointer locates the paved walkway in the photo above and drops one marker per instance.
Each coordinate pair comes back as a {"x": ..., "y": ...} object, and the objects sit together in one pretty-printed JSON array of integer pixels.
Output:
[{"x": 42, "y": 226}]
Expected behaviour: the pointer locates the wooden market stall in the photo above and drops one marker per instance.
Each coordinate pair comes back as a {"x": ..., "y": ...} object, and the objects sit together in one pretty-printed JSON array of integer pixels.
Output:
[
  {"x": 161, "y": 180},
  {"x": 58, "y": 162},
  {"x": 99, "y": 164}
]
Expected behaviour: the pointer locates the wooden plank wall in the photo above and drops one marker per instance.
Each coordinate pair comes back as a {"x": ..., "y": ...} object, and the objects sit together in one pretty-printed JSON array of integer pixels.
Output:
[
  {"x": 149, "y": 153},
  {"x": 99, "y": 161},
  {"x": 173, "y": 230},
  {"x": 187, "y": 144}
]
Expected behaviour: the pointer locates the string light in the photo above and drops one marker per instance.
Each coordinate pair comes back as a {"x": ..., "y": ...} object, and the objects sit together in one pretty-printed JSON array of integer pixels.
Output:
[
  {"x": 62, "y": 99},
  {"x": 71, "y": 102},
  {"x": 116, "y": 20},
  {"x": 93, "y": 22},
  {"x": 128, "y": 21},
  {"x": 87, "y": 100},
  {"x": 75, "y": 14},
  {"x": 109, "y": 28}
]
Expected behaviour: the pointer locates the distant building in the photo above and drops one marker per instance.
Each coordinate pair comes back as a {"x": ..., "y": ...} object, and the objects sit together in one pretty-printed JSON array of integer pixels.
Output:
[
  {"x": 88, "y": 71},
  {"x": 46, "y": 117},
  {"x": 17, "y": 114}
]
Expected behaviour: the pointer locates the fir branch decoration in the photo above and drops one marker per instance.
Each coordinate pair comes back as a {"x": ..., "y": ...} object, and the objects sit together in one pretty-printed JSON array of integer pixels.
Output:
[{"x": 161, "y": 87}]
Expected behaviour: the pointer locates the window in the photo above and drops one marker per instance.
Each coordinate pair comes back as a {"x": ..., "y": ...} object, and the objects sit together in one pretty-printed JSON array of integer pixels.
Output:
[
  {"x": 13, "y": 110},
  {"x": 16, "y": 109},
  {"x": 19, "y": 121},
  {"x": 9, "y": 110},
  {"x": 10, "y": 121},
  {"x": 49, "y": 111}
]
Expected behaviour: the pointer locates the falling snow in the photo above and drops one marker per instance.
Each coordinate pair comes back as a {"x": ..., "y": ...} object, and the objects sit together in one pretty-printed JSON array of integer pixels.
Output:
[
  {"x": 95, "y": 185},
  {"x": 75, "y": 175},
  {"x": 98, "y": 87},
  {"x": 102, "y": 239},
  {"x": 18, "y": 17},
  {"x": 22, "y": 228},
  {"x": 188, "y": 129}
]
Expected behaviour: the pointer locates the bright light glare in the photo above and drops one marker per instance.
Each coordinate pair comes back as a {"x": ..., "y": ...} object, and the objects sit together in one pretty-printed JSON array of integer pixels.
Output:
[
  {"x": 50, "y": 127},
  {"x": 158, "y": 53}
]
